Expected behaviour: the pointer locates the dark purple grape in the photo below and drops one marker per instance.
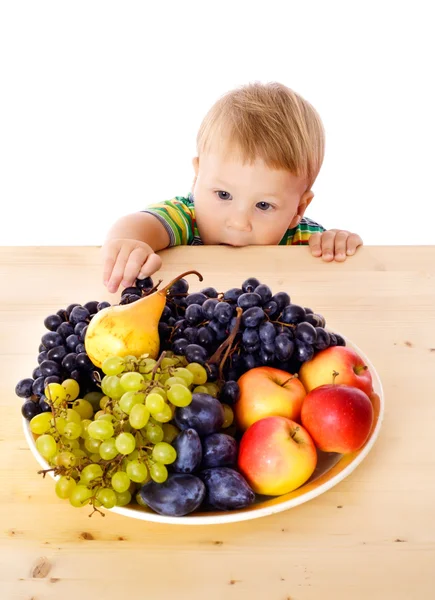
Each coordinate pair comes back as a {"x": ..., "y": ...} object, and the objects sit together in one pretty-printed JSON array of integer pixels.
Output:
[
  {"x": 250, "y": 337},
  {"x": 92, "y": 307},
  {"x": 306, "y": 333},
  {"x": 84, "y": 363},
  {"x": 69, "y": 362},
  {"x": 166, "y": 314},
  {"x": 72, "y": 341},
  {"x": 179, "y": 495},
  {"x": 52, "y": 322},
  {"x": 223, "y": 312},
  {"x": 314, "y": 320},
  {"x": 268, "y": 347},
  {"x": 196, "y": 298},
  {"x": 206, "y": 336},
  {"x": 42, "y": 356},
  {"x": 332, "y": 339},
  {"x": 267, "y": 332},
  {"x": 179, "y": 346},
  {"x": 309, "y": 311},
  {"x": 249, "y": 299},
  {"x": 253, "y": 316},
  {"x": 80, "y": 348},
  {"x": 44, "y": 405},
  {"x": 180, "y": 325},
  {"x": 75, "y": 374},
  {"x": 232, "y": 295},
  {"x": 164, "y": 330},
  {"x": 322, "y": 339},
  {"x": 30, "y": 409},
  {"x": 226, "y": 489},
  {"x": 279, "y": 328},
  {"x": 252, "y": 349},
  {"x": 41, "y": 348},
  {"x": 171, "y": 321},
  {"x": 78, "y": 313},
  {"x": 51, "y": 379},
  {"x": 267, "y": 357},
  {"x": 250, "y": 284},
  {"x": 131, "y": 290},
  {"x": 36, "y": 373},
  {"x": 23, "y": 389},
  {"x": 51, "y": 339},
  {"x": 230, "y": 392},
  {"x": 49, "y": 367},
  {"x": 82, "y": 336},
  {"x": 191, "y": 334},
  {"x": 129, "y": 299},
  {"x": 212, "y": 371},
  {"x": 57, "y": 353},
  {"x": 208, "y": 308},
  {"x": 251, "y": 361},
  {"x": 205, "y": 414},
  {"x": 65, "y": 330},
  {"x": 189, "y": 451},
  {"x": 146, "y": 283},
  {"x": 194, "y": 314},
  {"x": 210, "y": 292},
  {"x": 271, "y": 309},
  {"x": 62, "y": 314},
  {"x": 264, "y": 291},
  {"x": 38, "y": 386},
  {"x": 340, "y": 340},
  {"x": 293, "y": 314},
  {"x": 70, "y": 308},
  {"x": 102, "y": 305},
  {"x": 79, "y": 327},
  {"x": 179, "y": 287},
  {"x": 219, "y": 450},
  {"x": 218, "y": 329},
  {"x": 284, "y": 347},
  {"x": 195, "y": 353},
  {"x": 282, "y": 300},
  {"x": 303, "y": 351},
  {"x": 322, "y": 320}
]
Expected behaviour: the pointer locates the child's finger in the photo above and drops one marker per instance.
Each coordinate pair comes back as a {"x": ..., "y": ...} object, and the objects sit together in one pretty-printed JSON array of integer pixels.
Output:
[
  {"x": 353, "y": 242},
  {"x": 118, "y": 270},
  {"x": 133, "y": 266},
  {"x": 340, "y": 244},
  {"x": 152, "y": 264},
  {"x": 315, "y": 244},
  {"x": 109, "y": 263},
  {"x": 328, "y": 238}
]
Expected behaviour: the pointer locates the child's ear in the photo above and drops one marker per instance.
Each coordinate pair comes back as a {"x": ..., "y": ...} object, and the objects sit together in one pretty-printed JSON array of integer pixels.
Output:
[
  {"x": 195, "y": 163},
  {"x": 303, "y": 205}
]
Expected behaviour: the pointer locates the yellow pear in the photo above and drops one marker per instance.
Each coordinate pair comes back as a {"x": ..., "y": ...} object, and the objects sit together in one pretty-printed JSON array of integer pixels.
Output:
[{"x": 129, "y": 329}]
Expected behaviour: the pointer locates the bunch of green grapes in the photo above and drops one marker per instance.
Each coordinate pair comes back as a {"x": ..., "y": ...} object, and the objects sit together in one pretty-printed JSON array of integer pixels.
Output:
[{"x": 106, "y": 444}]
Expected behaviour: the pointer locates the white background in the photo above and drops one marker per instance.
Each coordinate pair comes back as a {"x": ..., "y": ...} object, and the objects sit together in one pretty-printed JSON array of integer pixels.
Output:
[{"x": 100, "y": 103}]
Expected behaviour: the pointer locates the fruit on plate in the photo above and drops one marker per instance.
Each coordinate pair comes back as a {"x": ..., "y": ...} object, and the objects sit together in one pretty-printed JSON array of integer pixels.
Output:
[
  {"x": 338, "y": 417},
  {"x": 226, "y": 489},
  {"x": 350, "y": 367},
  {"x": 266, "y": 392},
  {"x": 179, "y": 495},
  {"x": 130, "y": 329},
  {"x": 276, "y": 456}
]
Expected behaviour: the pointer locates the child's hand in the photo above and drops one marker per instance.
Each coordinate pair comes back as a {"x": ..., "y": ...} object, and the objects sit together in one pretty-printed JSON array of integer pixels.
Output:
[
  {"x": 334, "y": 244},
  {"x": 125, "y": 260}
]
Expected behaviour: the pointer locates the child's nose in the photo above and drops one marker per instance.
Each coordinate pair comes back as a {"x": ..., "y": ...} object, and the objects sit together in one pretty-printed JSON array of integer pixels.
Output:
[{"x": 239, "y": 221}]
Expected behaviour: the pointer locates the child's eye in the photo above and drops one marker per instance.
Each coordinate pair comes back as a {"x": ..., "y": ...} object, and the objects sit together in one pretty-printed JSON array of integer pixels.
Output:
[
  {"x": 264, "y": 205},
  {"x": 223, "y": 195}
]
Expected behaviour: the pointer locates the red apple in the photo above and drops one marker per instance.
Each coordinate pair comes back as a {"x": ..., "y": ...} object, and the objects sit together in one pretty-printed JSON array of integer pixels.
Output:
[
  {"x": 266, "y": 392},
  {"x": 276, "y": 456},
  {"x": 339, "y": 417},
  {"x": 346, "y": 362}
]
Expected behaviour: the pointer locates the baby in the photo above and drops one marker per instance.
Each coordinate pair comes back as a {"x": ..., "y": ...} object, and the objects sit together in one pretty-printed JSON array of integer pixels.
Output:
[{"x": 259, "y": 151}]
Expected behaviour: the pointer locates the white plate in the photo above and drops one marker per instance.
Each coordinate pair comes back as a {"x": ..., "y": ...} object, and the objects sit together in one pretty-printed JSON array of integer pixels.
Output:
[{"x": 330, "y": 470}]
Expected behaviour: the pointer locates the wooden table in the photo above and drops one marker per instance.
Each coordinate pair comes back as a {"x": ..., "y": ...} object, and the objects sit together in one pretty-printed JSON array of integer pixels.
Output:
[{"x": 371, "y": 536}]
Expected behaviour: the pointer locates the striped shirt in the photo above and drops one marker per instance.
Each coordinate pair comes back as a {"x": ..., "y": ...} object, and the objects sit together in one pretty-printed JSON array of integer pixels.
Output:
[{"x": 178, "y": 218}]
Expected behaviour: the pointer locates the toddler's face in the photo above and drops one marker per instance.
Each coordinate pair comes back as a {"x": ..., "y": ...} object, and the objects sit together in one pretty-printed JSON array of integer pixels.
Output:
[{"x": 245, "y": 204}]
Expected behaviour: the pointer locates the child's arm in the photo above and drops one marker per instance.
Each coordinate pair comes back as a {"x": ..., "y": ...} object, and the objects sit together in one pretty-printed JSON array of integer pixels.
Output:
[
  {"x": 334, "y": 244},
  {"x": 129, "y": 250}
]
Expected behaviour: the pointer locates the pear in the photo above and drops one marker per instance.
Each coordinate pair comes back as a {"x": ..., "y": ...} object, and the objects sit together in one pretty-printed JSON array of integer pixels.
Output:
[{"x": 129, "y": 329}]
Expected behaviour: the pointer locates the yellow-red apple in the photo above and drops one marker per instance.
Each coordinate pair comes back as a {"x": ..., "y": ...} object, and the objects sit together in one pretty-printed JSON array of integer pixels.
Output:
[
  {"x": 346, "y": 362},
  {"x": 339, "y": 417},
  {"x": 266, "y": 392},
  {"x": 276, "y": 456}
]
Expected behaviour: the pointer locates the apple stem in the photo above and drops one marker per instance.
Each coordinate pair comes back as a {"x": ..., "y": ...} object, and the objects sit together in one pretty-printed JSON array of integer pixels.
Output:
[
  {"x": 335, "y": 374},
  {"x": 295, "y": 376},
  {"x": 292, "y": 435},
  {"x": 360, "y": 369}
]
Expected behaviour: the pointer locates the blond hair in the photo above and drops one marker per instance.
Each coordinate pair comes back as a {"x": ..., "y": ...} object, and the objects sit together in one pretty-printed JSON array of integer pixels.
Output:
[{"x": 267, "y": 121}]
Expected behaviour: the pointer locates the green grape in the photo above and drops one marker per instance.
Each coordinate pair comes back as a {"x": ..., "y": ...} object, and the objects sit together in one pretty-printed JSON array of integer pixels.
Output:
[
  {"x": 125, "y": 443},
  {"x": 118, "y": 413},
  {"x": 85, "y": 424},
  {"x": 73, "y": 416},
  {"x": 170, "y": 432},
  {"x": 198, "y": 372},
  {"x": 113, "y": 365},
  {"x": 90, "y": 473},
  {"x": 120, "y": 481},
  {"x": 159, "y": 473},
  {"x": 167, "y": 362},
  {"x": 179, "y": 395},
  {"x": 66, "y": 459},
  {"x": 185, "y": 374},
  {"x": 123, "y": 498},
  {"x": 139, "y": 500},
  {"x": 106, "y": 417},
  {"x": 92, "y": 445},
  {"x": 159, "y": 390},
  {"x": 129, "y": 399},
  {"x": 64, "y": 487},
  {"x": 165, "y": 415},
  {"x": 131, "y": 382},
  {"x": 228, "y": 416},
  {"x": 72, "y": 431},
  {"x": 100, "y": 430},
  {"x": 153, "y": 432},
  {"x": 133, "y": 455},
  {"x": 139, "y": 416},
  {"x": 95, "y": 458},
  {"x": 55, "y": 393},
  {"x": 80, "y": 496},
  {"x": 108, "y": 449},
  {"x": 94, "y": 398},
  {"x": 98, "y": 414},
  {"x": 137, "y": 471},
  {"x": 154, "y": 403},
  {"x": 174, "y": 380},
  {"x": 130, "y": 363},
  {"x": 69, "y": 445},
  {"x": 106, "y": 497},
  {"x": 83, "y": 408},
  {"x": 59, "y": 423},
  {"x": 164, "y": 453},
  {"x": 41, "y": 423},
  {"x": 104, "y": 402},
  {"x": 78, "y": 453},
  {"x": 72, "y": 389},
  {"x": 212, "y": 388},
  {"x": 111, "y": 386},
  {"x": 200, "y": 389},
  {"x": 46, "y": 446},
  {"x": 145, "y": 366}
]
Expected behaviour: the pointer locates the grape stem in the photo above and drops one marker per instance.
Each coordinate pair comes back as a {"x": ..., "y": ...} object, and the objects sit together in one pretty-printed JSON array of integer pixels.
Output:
[
  {"x": 227, "y": 344},
  {"x": 157, "y": 365},
  {"x": 96, "y": 510}
]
